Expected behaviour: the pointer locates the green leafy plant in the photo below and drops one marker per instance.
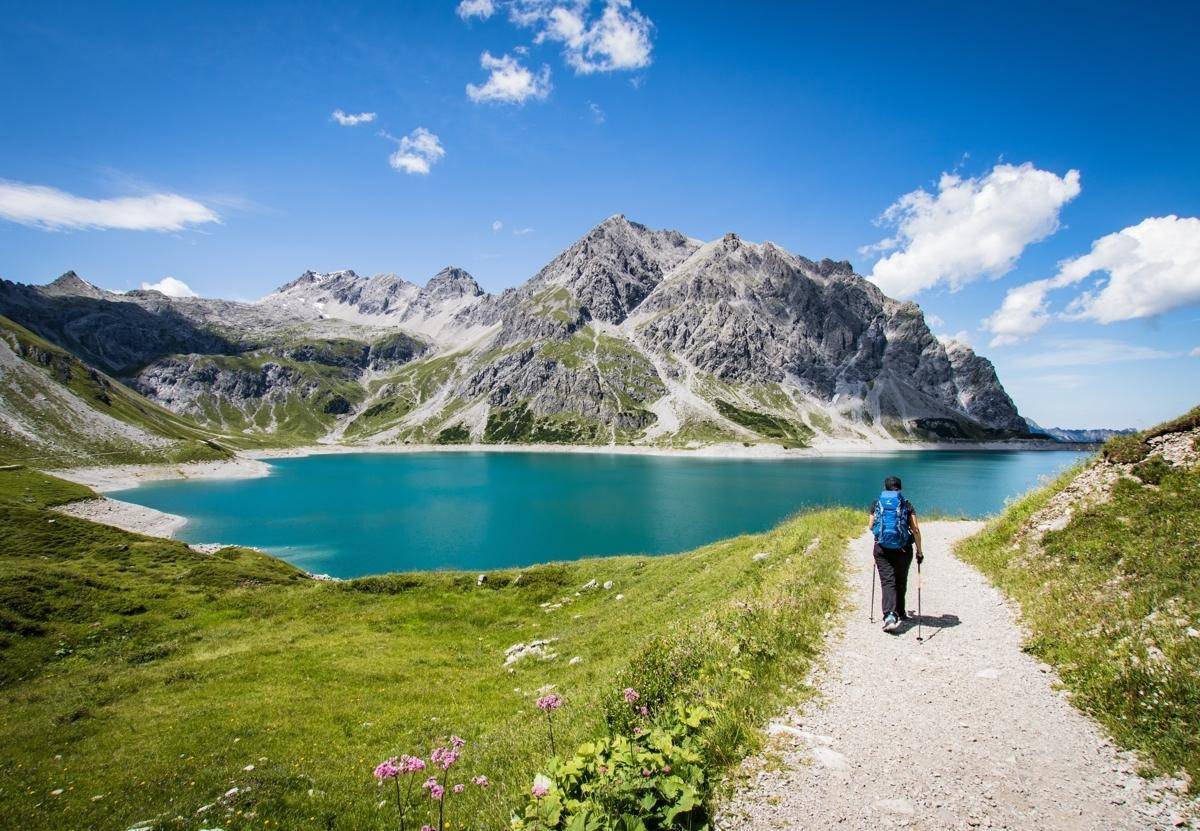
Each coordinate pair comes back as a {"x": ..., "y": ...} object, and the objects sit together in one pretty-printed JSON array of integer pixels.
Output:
[
  {"x": 652, "y": 779},
  {"x": 1152, "y": 470},
  {"x": 1126, "y": 450}
]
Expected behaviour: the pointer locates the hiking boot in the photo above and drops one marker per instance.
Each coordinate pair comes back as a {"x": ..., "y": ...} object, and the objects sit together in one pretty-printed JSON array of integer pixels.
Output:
[{"x": 891, "y": 623}]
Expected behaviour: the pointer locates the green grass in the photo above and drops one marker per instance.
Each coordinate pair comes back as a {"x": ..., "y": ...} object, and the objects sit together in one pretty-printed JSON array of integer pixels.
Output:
[
  {"x": 788, "y": 432},
  {"x": 1108, "y": 601},
  {"x": 137, "y": 671}
]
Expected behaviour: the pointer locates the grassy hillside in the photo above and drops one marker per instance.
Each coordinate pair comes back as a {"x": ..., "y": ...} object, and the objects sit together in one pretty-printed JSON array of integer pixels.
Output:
[
  {"x": 1112, "y": 597},
  {"x": 143, "y": 681},
  {"x": 57, "y": 411}
]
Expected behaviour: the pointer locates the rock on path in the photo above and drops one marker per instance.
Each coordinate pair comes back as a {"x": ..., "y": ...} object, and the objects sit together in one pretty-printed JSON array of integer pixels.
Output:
[{"x": 964, "y": 731}]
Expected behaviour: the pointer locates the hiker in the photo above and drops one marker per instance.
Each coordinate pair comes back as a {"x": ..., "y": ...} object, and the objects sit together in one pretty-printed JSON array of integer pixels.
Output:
[{"x": 894, "y": 526}]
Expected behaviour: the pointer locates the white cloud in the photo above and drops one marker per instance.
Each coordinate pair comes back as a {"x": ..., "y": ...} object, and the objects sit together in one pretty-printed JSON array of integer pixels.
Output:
[
  {"x": 55, "y": 210},
  {"x": 352, "y": 119},
  {"x": 417, "y": 152},
  {"x": 483, "y": 9},
  {"x": 497, "y": 226},
  {"x": 934, "y": 320},
  {"x": 1195, "y": 353},
  {"x": 171, "y": 287},
  {"x": 520, "y": 232},
  {"x": 1089, "y": 352},
  {"x": 509, "y": 82},
  {"x": 1153, "y": 267},
  {"x": 970, "y": 228},
  {"x": 619, "y": 39},
  {"x": 963, "y": 337},
  {"x": 598, "y": 115}
]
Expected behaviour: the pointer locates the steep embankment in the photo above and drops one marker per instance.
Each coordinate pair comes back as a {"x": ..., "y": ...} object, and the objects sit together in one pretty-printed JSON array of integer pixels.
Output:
[
  {"x": 146, "y": 684},
  {"x": 1106, "y": 567},
  {"x": 56, "y": 411}
]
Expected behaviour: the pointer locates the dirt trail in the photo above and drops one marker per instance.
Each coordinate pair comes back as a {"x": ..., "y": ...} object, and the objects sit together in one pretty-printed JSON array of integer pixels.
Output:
[{"x": 963, "y": 731}]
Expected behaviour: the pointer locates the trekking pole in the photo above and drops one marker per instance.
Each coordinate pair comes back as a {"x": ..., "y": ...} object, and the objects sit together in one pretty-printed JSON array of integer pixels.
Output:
[
  {"x": 919, "y": 638},
  {"x": 874, "y": 574}
]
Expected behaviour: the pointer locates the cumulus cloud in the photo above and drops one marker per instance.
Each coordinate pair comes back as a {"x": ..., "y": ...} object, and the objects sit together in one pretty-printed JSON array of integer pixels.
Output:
[
  {"x": 352, "y": 119},
  {"x": 509, "y": 81},
  {"x": 1195, "y": 353},
  {"x": 417, "y": 152},
  {"x": 55, "y": 210},
  {"x": 497, "y": 226},
  {"x": 1152, "y": 268},
  {"x": 483, "y": 9},
  {"x": 1089, "y": 352},
  {"x": 619, "y": 39},
  {"x": 971, "y": 228},
  {"x": 171, "y": 287}
]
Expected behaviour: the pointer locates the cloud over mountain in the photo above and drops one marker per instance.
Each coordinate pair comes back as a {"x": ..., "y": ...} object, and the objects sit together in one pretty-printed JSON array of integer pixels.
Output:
[
  {"x": 56, "y": 210},
  {"x": 971, "y": 228}
]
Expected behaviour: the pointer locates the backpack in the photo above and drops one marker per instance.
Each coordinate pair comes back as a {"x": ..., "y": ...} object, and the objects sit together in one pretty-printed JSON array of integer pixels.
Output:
[{"x": 891, "y": 520}]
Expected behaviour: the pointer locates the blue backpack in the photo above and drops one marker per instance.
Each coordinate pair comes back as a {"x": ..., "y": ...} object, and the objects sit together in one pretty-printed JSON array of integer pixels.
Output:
[{"x": 891, "y": 520}]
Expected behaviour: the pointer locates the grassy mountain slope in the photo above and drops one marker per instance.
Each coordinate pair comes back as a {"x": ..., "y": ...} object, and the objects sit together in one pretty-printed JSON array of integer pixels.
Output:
[
  {"x": 57, "y": 411},
  {"x": 143, "y": 679},
  {"x": 1105, "y": 563}
]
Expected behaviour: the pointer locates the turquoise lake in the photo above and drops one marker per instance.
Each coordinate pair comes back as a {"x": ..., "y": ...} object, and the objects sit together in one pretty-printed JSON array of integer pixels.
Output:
[{"x": 354, "y": 514}]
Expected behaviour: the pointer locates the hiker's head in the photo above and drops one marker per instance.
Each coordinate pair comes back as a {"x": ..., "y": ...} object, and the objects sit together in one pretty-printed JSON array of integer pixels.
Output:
[{"x": 892, "y": 483}]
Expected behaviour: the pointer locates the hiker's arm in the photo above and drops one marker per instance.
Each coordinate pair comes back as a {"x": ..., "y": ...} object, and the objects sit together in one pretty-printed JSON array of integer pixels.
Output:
[
  {"x": 916, "y": 532},
  {"x": 871, "y": 520}
]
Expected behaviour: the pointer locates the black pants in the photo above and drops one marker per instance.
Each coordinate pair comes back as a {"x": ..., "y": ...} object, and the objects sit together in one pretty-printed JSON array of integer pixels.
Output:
[{"x": 893, "y": 565}]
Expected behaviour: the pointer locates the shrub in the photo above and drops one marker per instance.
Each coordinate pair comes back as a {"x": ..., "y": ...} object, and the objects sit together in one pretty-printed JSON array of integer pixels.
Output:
[
  {"x": 1152, "y": 470},
  {"x": 1126, "y": 450},
  {"x": 652, "y": 779}
]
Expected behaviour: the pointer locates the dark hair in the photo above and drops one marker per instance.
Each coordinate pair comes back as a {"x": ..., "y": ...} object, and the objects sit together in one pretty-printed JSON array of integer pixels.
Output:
[{"x": 892, "y": 483}]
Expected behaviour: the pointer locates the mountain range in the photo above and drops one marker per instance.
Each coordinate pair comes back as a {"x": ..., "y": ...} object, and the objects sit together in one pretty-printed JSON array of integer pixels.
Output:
[{"x": 629, "y": 336}]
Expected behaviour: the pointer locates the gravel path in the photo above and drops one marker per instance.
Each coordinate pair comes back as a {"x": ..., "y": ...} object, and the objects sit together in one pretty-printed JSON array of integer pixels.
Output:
[{"x": 962, "y": 731}]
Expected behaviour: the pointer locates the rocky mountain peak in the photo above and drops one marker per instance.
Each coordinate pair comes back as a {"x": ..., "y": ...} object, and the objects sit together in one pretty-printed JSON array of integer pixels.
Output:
[
  {"x": 313, "y": 278},
  {"x": 71, "y": 284},
  {"x": 450, "y": 283}
]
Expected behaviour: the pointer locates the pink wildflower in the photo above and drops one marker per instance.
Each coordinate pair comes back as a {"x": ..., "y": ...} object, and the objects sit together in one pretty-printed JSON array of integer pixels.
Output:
[
  {"x": 436, "y": 792},
  {"x": 666, "y": 768},
  {"x": 428, "y": 828},
  {"x": 539, "y": 790},
  {"x": 459, "y": 788},
  {"x": 386, "y": 769},
  {"x": 631, "y": 695},
  {"x": 644, "y": 710},
  {"x": 429, "y": 783},
  {"x": 444, "y": 757},
  {"x": 481, "y": 781},
  {"x": 603, "y": 769},
  {"x": 411, "y": 764},
  {"x": 550, "y": 702},
  {"x": 457, "y": 743},
  {"x": 637, "y": 731},
  {"x": 645, "y": 771}
]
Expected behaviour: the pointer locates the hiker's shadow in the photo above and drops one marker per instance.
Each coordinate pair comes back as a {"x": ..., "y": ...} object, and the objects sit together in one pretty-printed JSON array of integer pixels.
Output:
[{"x": 929, "y": 622}]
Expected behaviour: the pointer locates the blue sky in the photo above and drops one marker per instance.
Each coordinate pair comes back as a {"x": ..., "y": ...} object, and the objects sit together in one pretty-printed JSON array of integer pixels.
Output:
[{"x": 796, "y": 123}]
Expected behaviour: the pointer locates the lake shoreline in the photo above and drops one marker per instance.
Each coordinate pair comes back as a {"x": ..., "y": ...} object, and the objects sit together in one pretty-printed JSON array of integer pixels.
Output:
[{"x": 252, "y": 464}]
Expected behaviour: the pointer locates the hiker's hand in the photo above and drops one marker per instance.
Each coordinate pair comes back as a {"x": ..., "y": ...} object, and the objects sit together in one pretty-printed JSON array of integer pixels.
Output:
[{"x": 920, "y": 557}]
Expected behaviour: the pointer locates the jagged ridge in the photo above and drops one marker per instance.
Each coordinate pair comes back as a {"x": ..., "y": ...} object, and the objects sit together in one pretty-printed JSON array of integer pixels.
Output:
[{"x": 629, "y": 335}]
